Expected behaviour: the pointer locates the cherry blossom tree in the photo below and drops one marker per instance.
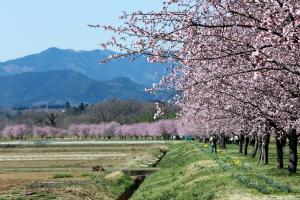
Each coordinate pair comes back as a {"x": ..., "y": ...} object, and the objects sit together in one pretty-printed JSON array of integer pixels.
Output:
[
  {"x": 233, "y": 60},
  {"x": 167, "y": 128},
  {"x": 163, "y": 129},
  {"x": 45, "y": 132},
  {"x": 16, "y": 131}
]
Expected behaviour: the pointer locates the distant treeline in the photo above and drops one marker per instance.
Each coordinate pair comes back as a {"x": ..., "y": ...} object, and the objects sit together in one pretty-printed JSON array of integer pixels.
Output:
[
  {"x": 121, "y": 111},
  {"x": 38, "y": 107}
]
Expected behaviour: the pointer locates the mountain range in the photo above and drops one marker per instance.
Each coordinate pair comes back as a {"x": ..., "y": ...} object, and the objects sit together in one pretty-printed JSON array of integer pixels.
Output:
[
  {"x": 55, "y": 76},
  {"x": 58, "y": 87},
  {"x": 87, "y": 63}
]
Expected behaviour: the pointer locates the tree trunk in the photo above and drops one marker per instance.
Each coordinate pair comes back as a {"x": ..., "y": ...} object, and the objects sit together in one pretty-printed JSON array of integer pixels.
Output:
[
  {"x": 246, "y": 145},
  {"x": 255, "y": 148},
  {"x": 261, "y": 150},
  {"x": 264, "y": 150},
  {"x": 279, "y": 148},
  {"x": 242, "y": 137},
  {"x": 293, "y": 158},
  {"x": 223, "y": 141},
  {"x": 267, "y": 141},
  {"x": 215, "y": 147}
]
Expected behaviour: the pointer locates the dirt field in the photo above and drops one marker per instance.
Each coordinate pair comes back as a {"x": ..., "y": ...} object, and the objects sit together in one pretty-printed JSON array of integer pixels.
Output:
[{"x": 22, "y": 164}]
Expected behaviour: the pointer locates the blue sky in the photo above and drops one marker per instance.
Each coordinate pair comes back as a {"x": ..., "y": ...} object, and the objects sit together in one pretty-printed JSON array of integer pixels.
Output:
[{"x": 30, "y": 26}]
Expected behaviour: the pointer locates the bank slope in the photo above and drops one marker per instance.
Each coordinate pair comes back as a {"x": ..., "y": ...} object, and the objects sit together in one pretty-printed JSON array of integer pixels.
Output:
[{"x": 190, "y": 171}]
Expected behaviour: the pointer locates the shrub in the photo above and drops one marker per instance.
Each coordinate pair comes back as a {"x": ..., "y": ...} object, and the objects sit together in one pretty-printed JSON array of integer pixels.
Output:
[
  {"x": 57, "y": 176},
  {"x": 247, "y": 182},
  {"x": 274, "y": 184}
]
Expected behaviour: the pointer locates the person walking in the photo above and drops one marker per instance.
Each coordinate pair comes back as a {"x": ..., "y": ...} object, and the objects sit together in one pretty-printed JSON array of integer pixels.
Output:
[{"x": 213, "y": 144}]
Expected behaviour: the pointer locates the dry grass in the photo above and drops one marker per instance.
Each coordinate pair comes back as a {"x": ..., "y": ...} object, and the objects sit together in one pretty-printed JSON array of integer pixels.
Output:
[
  {"x": 113, "y": 176},
  {"x": 21, "y": 167}
]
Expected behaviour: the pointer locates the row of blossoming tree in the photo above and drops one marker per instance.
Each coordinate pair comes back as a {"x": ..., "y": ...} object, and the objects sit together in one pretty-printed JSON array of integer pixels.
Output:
[
  {"x": 235, "y": 65},
  {"x": 163, "y": 129}
]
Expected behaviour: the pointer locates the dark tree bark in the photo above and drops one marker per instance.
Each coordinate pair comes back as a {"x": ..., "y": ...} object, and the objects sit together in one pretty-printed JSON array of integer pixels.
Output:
[
  {"x": 252, "y": 141},
  {"x": 280, "y": 141},
  {"x": 52, "y": 119},
  {"x": 242, "y": 138},
  {"x": 264, "y": 149},
  {"x": 267, "y": 142},
  {"x": 223, "y": 141},
  {"x": 293, "y": 157},
  {"x": 247, "y": 139},
  {"x": 260, "y": 147},
  {"x": 255, "y": 148}
]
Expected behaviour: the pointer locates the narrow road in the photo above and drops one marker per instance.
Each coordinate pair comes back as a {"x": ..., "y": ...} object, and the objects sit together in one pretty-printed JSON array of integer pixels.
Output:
[{"x": 46, "y": 142}]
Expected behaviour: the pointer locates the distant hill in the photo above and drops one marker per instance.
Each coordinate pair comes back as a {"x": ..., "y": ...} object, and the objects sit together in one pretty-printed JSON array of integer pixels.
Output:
[
  {"x": 58, "y": 87},
  {"x": 87, "y": 63}
]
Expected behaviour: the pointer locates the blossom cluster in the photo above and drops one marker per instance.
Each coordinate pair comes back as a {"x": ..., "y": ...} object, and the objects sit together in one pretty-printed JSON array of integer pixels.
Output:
[
  {"x": 164, "y": 129},
  {"x": 235, "y": 64}
]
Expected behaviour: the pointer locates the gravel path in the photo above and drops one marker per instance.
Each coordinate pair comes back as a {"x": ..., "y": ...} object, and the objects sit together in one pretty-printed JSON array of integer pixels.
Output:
[
  {"x": 78, "y": 142},
  {"x": 64, "y": 157}
]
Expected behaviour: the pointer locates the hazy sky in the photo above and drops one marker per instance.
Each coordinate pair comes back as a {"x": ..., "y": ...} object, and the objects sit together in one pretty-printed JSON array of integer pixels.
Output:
[{"x": 30, "y": 26}]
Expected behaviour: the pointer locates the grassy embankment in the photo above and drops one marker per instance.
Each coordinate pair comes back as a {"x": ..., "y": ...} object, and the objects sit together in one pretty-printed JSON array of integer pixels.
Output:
[{"x": 189, "y": 171}]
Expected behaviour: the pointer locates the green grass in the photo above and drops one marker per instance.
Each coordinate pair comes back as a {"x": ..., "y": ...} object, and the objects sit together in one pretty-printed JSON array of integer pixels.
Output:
[
  {"x": 190, "y": 171},
  {"x": 113, "y": 187}
]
